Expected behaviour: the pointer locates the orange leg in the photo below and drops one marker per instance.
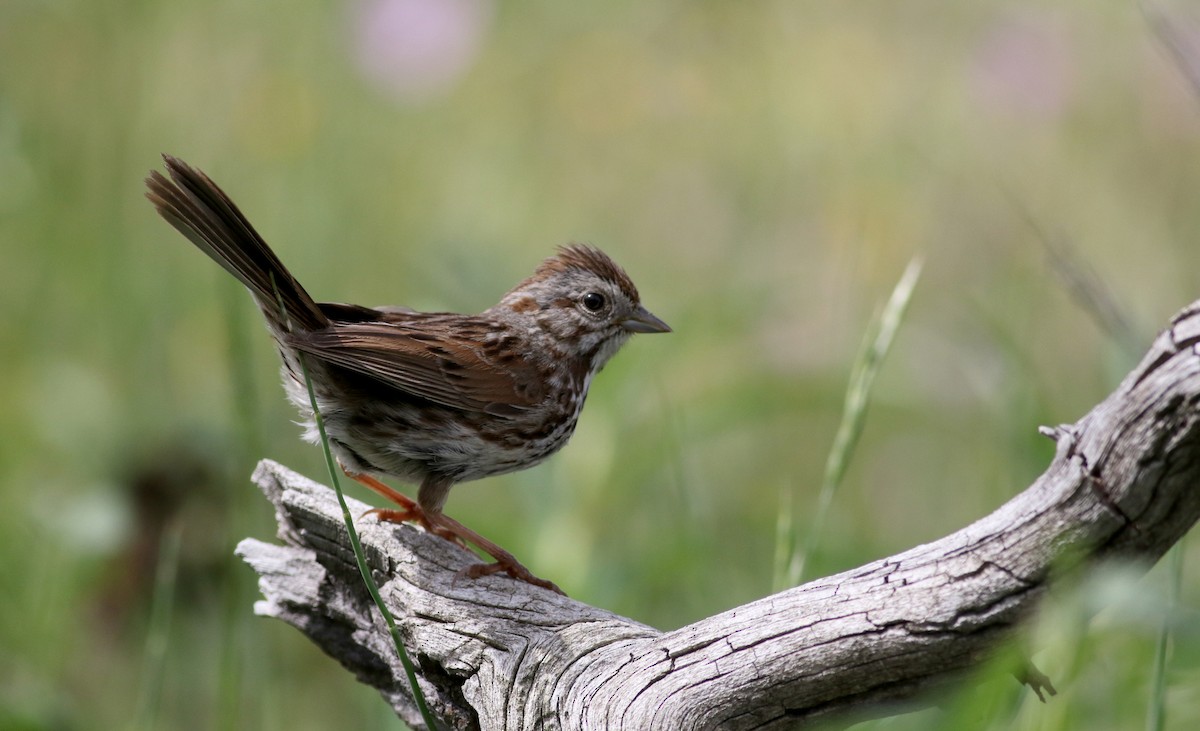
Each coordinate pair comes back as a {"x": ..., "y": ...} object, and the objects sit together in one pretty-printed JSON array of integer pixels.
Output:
[
  {"x": 409, "y": 512},
  {"x": 443, "y": 525},
  {"x": 404, "y": 516},
  {"x": 378, "y": 487}
]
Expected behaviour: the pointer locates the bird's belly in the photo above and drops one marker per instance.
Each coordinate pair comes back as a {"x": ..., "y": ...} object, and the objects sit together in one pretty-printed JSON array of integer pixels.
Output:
[{"x": 416, "y": 443}]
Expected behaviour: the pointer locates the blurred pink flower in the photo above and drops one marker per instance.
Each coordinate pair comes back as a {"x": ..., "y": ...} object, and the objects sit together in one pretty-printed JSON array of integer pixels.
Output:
[
  {"x": 417, "y": 49},
  {"x": 1023, "y": 67}
]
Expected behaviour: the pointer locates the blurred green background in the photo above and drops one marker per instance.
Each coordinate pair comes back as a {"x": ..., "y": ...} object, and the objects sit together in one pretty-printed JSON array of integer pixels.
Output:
[{"x": 763, "y": 170}]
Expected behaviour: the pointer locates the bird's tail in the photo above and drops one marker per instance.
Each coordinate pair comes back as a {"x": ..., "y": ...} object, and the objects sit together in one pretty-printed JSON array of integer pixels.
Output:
[{"x": 202, "y": 212}]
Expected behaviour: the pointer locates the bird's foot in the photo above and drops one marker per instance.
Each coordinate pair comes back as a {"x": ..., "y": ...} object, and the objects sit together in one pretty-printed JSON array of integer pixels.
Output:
[
  {"x": 504, "y": 561},
  {"x": 413, "y": 515},
  {"x": 442, "y": 525},
  {"x": 409, "y": 512},
  {"x": 512, "y": 568}
]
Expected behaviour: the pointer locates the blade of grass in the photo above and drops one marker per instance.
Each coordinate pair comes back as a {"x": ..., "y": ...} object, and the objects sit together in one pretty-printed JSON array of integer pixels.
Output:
[
  {"x": 1181, "y": 44},
  {"x": 1156, "y": 714},
  {"x": 876, "y": 345},
  {"x": 785, "y": 538},
  {"x": 247, "y": 419},
  {"x": 159, "y": 632},
  {"x": 234, "y": 684},
  {"x": 1084, "y": 285},
  {"x": 359, "y": 556},
  {"x": 1097, "y": 300}
]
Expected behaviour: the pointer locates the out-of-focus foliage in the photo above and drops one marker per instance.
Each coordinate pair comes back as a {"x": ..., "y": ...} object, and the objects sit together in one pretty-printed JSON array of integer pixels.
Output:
[{"x": 763, "y": 170}]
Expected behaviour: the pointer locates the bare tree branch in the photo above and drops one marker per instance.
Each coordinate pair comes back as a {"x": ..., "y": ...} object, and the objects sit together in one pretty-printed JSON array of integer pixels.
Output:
[{"x": 497, "y": 654}]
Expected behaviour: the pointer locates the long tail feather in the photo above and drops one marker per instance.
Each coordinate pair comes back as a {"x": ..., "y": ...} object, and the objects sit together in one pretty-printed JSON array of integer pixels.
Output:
[{"x": 201, "y": 211}]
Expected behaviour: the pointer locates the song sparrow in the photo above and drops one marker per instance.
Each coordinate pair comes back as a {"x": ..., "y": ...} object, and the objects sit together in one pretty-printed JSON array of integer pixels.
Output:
[{"x": 437, "y": 398}]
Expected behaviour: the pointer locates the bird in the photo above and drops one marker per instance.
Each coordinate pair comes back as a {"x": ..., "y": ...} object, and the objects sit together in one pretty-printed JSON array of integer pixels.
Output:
[{"x": 432, "y": 398}]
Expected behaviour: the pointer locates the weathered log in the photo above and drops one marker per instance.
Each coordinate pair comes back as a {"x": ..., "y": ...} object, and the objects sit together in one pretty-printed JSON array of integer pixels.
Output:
[{"x": 494, "y": 653}]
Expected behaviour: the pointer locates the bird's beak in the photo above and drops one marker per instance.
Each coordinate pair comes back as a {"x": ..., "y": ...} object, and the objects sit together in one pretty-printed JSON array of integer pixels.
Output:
[{"x": 644, "y": 322}]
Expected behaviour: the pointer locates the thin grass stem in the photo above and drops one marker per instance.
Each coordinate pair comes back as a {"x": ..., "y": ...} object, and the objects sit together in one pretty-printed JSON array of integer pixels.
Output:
[
  {"x": 159, "y": 632},
  {"x": 876, "y": 345},
  {"x": 1175, "y": 39},
  {"x": 360, "y": 556},
  {"x": 1156, "y": 715},
  {"x": 233, "y": 684}
]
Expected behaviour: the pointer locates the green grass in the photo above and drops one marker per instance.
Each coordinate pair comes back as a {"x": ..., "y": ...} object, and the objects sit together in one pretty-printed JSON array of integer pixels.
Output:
[
  {"x": 762, "y": 170},
  {"x": 876, "y": 345},
  {"x": 158, "y": 634},
  {"x": 361, "y": 558},
  {"x": 1157, "y": 708}
]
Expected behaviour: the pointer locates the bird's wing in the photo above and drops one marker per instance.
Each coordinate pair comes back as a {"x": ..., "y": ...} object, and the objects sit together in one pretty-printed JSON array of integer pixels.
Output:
[{"x": 458, "y": 372}]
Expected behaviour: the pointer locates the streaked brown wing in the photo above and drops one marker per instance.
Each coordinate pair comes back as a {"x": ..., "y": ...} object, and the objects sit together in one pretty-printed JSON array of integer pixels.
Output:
[{"x": 427, "y": 364}]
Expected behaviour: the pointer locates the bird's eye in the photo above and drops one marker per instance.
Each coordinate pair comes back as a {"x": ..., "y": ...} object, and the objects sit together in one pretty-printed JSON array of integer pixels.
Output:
[{"x": 593, "y": 301}]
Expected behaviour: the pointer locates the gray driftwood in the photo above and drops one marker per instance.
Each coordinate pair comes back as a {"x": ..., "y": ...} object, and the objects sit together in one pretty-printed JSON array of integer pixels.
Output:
[{"x": 497, "y": 654}]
